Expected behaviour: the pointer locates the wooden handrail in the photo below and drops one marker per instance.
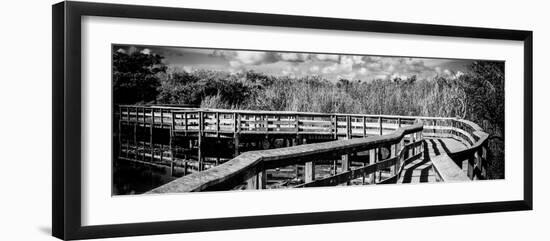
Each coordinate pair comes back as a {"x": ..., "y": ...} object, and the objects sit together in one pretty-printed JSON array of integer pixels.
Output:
[
  {"x": 446, "y": 169},
  {"x": 190, "y": 109},
  {"x": 243, "y": 166}
]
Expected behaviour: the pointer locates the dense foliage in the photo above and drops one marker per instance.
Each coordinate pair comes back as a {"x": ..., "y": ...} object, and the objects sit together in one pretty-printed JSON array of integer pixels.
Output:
[
  {"x": 135, "y": 76},
  {"x": 477, "y": 95}
]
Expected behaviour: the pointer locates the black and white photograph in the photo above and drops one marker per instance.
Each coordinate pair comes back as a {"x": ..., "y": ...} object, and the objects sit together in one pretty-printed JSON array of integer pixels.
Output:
[{"x": 189, "y": 119}]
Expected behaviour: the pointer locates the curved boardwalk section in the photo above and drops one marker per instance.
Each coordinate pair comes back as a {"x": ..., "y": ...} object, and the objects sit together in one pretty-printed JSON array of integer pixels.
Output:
[
  {"x": 266, "y": 149},
  {"x": 422, "y": 170}
]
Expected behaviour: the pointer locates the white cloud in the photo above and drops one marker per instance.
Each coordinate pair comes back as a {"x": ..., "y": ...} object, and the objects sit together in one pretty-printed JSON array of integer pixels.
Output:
[
  {"x": 294, "y": 57},
  {"x": 235, "y": 64},
  {"x": 326, "y": 57},
  {"x": 314, "y": 69},
  {"x": 397, "y": 75},
  {"x": 358, "y": 59},
  {"x": 363, "y": 71},
  {"x": 330, "y": 69},
  {"x": 255, "y": 58},
  {"x": 146, "y": 51}
]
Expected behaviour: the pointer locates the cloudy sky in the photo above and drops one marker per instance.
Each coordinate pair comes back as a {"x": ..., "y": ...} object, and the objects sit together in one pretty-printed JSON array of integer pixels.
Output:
[{"x": 330, "y": 66}]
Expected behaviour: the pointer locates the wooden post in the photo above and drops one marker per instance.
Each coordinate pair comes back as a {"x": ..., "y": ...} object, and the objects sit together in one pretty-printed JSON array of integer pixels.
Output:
[
  {"x": 199, "y": 140},
  {"x": 172, "y": 169},
  {"x": 393, "y": 153},
  {"x": 297, "y": 141},
  {"x": 364, "y": 175},
  {"x": 380, "y": 125},
  {"x": 470, "y": 171},
  {"x": 172, "y": 159},
  {"x": 262, "y": 179},
  {"x": 266, "y": 124},
  {"x": 162, "y": 129},
  {"x": 372, "y": 160},
  {"x": 151, "y": 126},
  {"x": 335, "y": 127},
  {"x": 120, "y": 135},
  {"x": 346, "y": 165},
  {"x": 309, "y": 169},
  {"x": 297, "y": 123},
  {"x": 483, "y": 160},
  {"x": 348, "y": 127},
  {"x": 309, "y": 172},
  {"x": 237, "y": 121},
  {"x": 252, "y": 181},
  {"x": 345, "y": 158},
  {"x": 480, "y": 156},
  {"x": 135, "y": 140},
  {"x": 218, "y": 125},
  {"x": 127, "y": 142},
  {"x": 364, "y": 126}
]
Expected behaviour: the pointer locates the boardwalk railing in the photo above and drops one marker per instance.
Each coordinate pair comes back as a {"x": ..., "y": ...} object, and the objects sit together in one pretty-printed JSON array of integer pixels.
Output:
[
  {"x": 364, "y": 138},
  {"x": 471, "y": 160},
  {"x": 214, "y": 122},
  {"x": 250, "y": 167}
]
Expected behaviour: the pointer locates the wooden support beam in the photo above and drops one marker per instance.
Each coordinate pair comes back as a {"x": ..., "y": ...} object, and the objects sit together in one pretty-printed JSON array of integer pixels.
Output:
[
  {"x": 119, "y": 137},
  {"x": 252, "y": 182},
  {"x": 309, "y": 172},
  {"x": 135, "y": 144},
  {"x": 262, "y": 179},
  {"x": 297, "y": 141},
  {"x": 372, "y": 160},
  {"x": 363, "y": 181},
  {"x": 470, "y": 171}
]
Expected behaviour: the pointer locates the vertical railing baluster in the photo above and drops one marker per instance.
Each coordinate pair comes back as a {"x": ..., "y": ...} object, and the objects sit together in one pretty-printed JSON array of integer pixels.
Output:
[
  {"x": 236, "y": 134},
  {"x": 151, "y": 126},
  {"x": 380, "y": 125},
  {"x": 364, "y": 126},
  {"x": 297, "y": 123},
  {"x": 372, "y": 161},
  {"x": 201, "y": 133},
  {"x": 162, "y": 129}
]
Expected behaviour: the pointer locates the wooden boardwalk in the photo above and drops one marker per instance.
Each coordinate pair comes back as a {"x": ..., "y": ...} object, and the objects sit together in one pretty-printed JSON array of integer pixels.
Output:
[
  {"x": 230, "y": 149},
  {"x": 421, "y": 170}
]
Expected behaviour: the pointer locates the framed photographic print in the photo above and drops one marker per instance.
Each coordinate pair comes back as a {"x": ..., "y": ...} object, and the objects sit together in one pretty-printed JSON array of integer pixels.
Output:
[{"x": 247, "y": 120}]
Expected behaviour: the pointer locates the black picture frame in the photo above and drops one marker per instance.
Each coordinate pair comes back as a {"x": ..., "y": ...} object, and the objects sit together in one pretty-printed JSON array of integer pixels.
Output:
[{"x": 66, "y": 122}]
